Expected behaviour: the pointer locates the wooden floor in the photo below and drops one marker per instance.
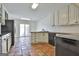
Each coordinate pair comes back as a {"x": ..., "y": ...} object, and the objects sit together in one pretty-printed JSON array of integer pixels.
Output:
[
  {"x": 23, "y": 47},
  {"x": 42, "y": 49}
]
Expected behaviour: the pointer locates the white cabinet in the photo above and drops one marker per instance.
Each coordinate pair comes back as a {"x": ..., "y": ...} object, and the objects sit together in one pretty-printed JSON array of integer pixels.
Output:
[
  {"x": 33, "y": 37},
  {"x": 45, "y": 37},
  {"x": 60, "y": 16},
  {"x": 66, "y": 15},
  {"x": 63, "y": 15},
  {"x": 77, "y": 15},
  {"x": 56, "y": 20},
  {"x": 6, "y": 43},
  {"x": 2, "y": 14},
  {"x": 9, "y": 41},
  {"x": 72, "y": 14},
  {"x": 39, "y": 37},
  {"x": 52, "y": 19}
]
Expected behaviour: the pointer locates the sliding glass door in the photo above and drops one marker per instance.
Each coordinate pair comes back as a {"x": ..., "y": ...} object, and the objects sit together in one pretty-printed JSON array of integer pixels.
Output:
[{"x": 24, "y": 30}]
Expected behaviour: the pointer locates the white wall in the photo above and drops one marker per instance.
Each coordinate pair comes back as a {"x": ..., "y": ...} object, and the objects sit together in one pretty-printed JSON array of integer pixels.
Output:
[
  {"x": 18, "y": 22},
  {"x": 67, "y": 29}
]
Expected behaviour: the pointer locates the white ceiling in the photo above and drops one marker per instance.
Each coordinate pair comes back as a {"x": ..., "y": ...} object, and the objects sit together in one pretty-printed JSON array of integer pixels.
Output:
[{"x": 24, "y": 10}]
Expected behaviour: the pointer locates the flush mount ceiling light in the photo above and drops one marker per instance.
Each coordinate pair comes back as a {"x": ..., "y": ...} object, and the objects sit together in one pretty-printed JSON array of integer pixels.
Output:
[
  {"x": 35, "y": 5},
  {"x": 25, "y": 18}
]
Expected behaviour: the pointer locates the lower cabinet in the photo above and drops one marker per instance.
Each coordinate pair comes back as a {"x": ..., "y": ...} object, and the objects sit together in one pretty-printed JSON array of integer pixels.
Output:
[
  {"x": 39, "y": 37},
  {"x": 43, "y": 37},
  {"x": 9, "y": 41},
  {"x": 0, "y": 45},
  {"x": 6, "y": 43}
]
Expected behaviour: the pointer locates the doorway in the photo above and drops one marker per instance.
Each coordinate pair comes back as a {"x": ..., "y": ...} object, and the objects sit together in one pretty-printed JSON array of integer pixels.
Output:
[{"x": 24, "y": 30}]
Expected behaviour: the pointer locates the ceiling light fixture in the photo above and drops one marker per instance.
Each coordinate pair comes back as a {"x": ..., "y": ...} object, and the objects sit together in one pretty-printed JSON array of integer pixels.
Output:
[
  {"x": 26, "y": 18},
  {"x": 35, "y": 5}
]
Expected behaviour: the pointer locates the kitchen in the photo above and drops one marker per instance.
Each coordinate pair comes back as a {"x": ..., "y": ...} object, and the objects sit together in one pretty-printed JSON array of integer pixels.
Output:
[{"x": 56, "y": 25}]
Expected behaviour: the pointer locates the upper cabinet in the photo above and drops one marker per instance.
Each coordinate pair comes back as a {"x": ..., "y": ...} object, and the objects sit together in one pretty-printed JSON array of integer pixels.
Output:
[
  {"x": 3, "y": 14},
  {"x": 0, "y": 13},
  {"x": 73, "y": 14},
  {"x": 56, "y": 20},
  {"x": 51, "y": 19},
  {"x": 66, "y": 15},
  {"x": 63, "y": 15},
  {"x": 77, "y": 17}
]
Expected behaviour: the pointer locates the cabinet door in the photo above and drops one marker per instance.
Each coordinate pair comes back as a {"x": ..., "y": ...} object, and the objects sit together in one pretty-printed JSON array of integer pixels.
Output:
[
  {"x": 72, "y": 14},
  {"x": 56, "y": 17},
  {"x": 0, "y": 45},
  {"x": 63, "y": 15},
  {"x": 3, "y": 16},
  {"x": 33, "y": 37},
  {"x": 52, "y": 18},
  {"x": 4, "y": 45},
  {"x": 45, "y": 37},
  {"x": 0, "y": 13},
  {"x": 39, "y": 37},
  {"x": 77, "y": 15},
  {"x": 9, "y": 42}
]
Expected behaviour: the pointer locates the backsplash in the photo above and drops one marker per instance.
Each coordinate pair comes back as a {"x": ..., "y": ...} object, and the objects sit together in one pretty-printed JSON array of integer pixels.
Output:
[{"x": 68, "y": 29}]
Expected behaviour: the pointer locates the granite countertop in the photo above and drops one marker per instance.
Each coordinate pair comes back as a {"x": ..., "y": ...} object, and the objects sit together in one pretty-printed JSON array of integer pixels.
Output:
[
  {"x": 4, "y": 32},
  {"x": 67, "y": 33}
]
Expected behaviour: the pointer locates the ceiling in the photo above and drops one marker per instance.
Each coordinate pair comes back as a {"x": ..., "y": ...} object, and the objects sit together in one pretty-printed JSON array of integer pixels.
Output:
[{"x": 18, "y": 10}]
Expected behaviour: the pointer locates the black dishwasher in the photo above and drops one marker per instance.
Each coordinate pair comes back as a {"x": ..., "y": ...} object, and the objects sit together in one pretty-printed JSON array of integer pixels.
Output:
[
  {"x": 67, "y": 47},
  {"x": 52, "y": 38}
]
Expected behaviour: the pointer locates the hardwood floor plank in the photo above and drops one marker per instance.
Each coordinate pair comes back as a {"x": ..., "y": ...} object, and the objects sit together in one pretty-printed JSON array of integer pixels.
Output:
[{"x": 44, "y": 49}]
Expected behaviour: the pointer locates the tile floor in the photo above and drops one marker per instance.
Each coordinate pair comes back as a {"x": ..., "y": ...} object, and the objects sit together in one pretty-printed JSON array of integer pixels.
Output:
[{"x": 23, "y": 47}]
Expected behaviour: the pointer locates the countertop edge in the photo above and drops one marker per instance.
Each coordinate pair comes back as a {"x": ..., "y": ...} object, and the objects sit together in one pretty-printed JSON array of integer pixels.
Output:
[{"x": 67, "y": 33}]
